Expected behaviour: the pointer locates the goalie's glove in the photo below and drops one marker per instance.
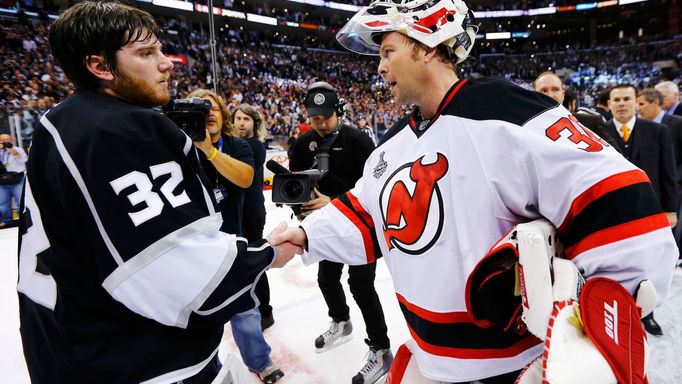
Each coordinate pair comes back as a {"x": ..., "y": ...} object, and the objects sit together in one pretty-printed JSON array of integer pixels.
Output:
[
  {"x": 592, "y": 330},
  {"x": 522, "y": 283}
]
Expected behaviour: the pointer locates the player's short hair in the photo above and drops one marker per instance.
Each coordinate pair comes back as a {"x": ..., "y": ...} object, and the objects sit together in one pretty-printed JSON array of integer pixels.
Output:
[
  {"x": 441, "y": 50},
  {"x": 258, "y": 121},
  {"x": 96, "y": 28},
  {"x": 228, "y": 128},
  {"x": 651, "y": 95}
]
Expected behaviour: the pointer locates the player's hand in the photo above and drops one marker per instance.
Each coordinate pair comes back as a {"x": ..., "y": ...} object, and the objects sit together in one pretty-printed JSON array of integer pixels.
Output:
[
  {"x": 206, "y": 146},
  {"x": 315, "y": 204},
  {"x": 286, "y": 250},
  {"x": 283, "y": 234}
]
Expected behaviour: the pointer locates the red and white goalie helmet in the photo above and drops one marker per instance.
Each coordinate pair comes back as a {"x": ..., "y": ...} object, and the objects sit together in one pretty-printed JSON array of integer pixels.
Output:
[{"x": 431, "y": 22}]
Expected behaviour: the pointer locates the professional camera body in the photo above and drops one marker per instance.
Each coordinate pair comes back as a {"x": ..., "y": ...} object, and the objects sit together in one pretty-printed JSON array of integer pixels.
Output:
[
  {"x": 6, "y": 145},
  {"x": 190, "y": 116},
  {"x": 295, "y": 188}
]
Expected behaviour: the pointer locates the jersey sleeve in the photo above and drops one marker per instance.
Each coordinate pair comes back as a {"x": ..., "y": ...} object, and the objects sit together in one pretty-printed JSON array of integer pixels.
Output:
[
  {"x": 342, "y": 231},
  {"x": 608, "y": 217},
  {"x": 160, "y": 251}
]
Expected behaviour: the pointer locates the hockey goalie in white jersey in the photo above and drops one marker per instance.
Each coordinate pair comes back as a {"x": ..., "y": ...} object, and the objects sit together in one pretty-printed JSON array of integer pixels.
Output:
[{"x": 473, "y": 160}]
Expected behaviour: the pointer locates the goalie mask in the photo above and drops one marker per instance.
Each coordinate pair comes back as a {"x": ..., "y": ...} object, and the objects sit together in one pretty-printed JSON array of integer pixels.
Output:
[{"x": 431, "y": 22}]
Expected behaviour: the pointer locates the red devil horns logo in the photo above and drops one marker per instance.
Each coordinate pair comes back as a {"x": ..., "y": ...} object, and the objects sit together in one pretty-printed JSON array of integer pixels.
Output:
[{"x": 410, "y": 223}]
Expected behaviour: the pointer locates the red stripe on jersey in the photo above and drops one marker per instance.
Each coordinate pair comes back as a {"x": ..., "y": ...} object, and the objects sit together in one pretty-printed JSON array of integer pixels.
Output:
[
  {"x": 467, "y": 353},
  {"x": 442, "y": 106},
  {"x": 364, "y": 230},
  {"x": 598, "y": 190},
  {"x": 360, "y": 210},
  {"x": 617, "y": 233},
  {"x": 435, "y": 317},
  {"x": 448, "y": 98},
  {"x": 399, "y": 366}
]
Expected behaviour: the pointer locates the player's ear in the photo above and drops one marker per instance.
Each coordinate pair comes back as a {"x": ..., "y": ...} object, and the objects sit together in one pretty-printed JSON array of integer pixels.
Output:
[
  {"x": 430, "y": 54},
  {"x": 98, "y": 67}
]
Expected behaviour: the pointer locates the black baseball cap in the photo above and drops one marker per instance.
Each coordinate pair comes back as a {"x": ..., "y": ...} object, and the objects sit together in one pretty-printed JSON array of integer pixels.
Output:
[{"x": 322, "y": 99}]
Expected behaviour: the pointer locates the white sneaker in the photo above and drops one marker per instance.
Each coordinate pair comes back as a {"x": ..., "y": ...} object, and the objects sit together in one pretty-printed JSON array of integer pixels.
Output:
[
  {"x": 337, "y": 334},
  {"x": 378, "y": 364}
]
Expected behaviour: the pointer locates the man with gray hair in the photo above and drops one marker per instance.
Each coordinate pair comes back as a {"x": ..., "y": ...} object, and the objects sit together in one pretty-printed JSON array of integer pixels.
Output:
[{"x": 671, "y": 97}]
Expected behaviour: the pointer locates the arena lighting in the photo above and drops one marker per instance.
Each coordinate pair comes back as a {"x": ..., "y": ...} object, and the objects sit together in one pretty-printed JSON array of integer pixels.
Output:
[
  {"x": 497, "y": 35},
  {"x": 541, "y": 11},
  {"x": 585, "y": 6},
  {"x": 329, "y": 4},
  {"x": 261, "y": 19},
  {"x": 623, "y": 2},
  {"x": 609, "y": 3},
  {"x": 566, "y": 8},
  {"x": 520, "y": 35},
  {"x": 185, "y": 6},
  {"x": 180, "y": 59}
]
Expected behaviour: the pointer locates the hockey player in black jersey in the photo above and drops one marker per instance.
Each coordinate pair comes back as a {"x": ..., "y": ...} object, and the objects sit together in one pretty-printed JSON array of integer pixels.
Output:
[
  {"x": 473, "y": 162},
  {"x": 124, "y": 275}
]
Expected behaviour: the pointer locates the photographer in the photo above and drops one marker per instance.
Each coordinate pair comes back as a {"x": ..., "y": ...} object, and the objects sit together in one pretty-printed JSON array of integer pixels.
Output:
[
  {"x": 228, "y": 163},
  {"x": 348, "y": 148},
  {"x": 11, "y": 177},
  {"x": 124, "y": 274}
]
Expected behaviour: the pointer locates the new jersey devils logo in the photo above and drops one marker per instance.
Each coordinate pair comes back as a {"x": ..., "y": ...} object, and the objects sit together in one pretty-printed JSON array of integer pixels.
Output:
[{"x": 412, "y": 206}]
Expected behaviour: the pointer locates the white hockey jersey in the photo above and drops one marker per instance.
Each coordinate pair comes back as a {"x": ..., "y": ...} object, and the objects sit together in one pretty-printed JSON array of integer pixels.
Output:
[{"x": 437, "y": 195}]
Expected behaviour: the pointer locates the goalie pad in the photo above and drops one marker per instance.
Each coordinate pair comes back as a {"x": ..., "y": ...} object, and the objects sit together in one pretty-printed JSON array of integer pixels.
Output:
[
  {"x": 404, "y": 369},
  {"x": 611, "y": 320}
]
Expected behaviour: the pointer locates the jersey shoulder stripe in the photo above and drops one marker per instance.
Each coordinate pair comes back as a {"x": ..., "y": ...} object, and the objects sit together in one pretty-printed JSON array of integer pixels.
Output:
[{"x": 498, "y": 99}]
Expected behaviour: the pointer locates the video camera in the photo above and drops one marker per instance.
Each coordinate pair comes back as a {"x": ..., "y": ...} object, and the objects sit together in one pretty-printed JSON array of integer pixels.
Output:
[
  {"x": 295, "y": 188},
  {"x": 190, "y": 116}
]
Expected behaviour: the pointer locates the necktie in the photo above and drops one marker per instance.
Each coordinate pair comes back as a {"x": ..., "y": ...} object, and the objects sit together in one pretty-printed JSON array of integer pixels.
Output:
[{"x": 626, "y": 132}]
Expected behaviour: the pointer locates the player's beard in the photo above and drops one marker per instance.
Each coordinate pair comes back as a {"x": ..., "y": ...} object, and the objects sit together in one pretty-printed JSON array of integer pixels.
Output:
[{"x": 141, "y": 91}]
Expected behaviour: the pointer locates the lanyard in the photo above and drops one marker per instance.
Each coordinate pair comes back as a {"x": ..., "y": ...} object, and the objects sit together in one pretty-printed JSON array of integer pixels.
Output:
[{"x": 220, "y": 149}]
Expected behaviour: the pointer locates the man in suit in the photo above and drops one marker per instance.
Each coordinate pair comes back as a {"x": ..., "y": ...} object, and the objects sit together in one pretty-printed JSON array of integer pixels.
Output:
[
  {"x": 548, "y": 83},
  {"x": 647, "y": 145},
  {"x": 649, "y": 102},
  {"x": 671, "y": 97}
]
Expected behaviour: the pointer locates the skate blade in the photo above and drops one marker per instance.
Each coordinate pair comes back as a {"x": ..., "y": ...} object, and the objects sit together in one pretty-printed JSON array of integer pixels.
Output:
[{"x": 341, "y": 340}]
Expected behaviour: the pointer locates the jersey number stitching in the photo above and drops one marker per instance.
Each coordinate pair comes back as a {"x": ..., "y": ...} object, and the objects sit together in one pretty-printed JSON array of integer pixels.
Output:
[
  {"x": 145, "y": 194},
  {"x": 578, "y": 134}
]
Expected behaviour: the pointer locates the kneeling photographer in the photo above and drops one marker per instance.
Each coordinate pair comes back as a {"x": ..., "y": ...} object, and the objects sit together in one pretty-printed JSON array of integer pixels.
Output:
[{"x": 346, "y": 149}]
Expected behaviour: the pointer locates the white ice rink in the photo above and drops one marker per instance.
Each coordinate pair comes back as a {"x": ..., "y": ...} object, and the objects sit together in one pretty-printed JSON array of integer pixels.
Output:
[{"x": 300, "y": 316}]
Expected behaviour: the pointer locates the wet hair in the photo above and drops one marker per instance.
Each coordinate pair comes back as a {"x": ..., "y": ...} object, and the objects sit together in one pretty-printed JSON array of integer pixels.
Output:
[
  {"x": 258, "y": 121},
  {"x": 97, "y": 28},
  {"x": 603, "y": 98},
  {"x": 622, "y": 86},
  {"x": 228, "y": 128}
]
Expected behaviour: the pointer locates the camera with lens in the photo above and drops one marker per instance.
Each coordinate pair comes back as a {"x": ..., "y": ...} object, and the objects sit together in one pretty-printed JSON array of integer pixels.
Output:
[
  {"x": 6, "y": 145},
  {"x": 293, "y": 188},
  {"x": 190, "y": 115}
]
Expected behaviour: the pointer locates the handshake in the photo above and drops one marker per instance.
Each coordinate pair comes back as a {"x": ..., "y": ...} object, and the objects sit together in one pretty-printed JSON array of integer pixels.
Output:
[{"x": 287, "y": 242}]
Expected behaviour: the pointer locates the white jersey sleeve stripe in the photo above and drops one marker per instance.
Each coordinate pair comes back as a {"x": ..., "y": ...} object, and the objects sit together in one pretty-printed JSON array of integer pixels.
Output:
[
  {"x": 73, "y": 169},
  {"x": 150, "y": 283}
]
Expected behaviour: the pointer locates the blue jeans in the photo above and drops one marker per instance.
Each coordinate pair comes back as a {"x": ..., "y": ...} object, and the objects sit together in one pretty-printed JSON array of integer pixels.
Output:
[
  {"x": 248, "y": 335},
  {"x": 7, "y": 192}
]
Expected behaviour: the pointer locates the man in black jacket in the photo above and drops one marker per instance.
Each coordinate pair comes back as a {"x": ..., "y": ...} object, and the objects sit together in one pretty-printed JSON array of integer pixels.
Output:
[
  {"x": 348, "y": 148},
  {"x": 648, "y": 145}
]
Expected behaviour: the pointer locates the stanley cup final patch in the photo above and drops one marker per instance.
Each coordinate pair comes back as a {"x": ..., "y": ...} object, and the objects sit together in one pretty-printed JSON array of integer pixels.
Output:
[
  {"x": 319, "y": 99},
  {"x": 381, "y": 166}
]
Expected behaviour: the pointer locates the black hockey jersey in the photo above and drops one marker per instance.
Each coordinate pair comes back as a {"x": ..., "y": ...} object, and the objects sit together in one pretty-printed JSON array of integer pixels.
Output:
[
  {"x": 436, "y": 195},
  {"x": 124, "y": 276}
]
